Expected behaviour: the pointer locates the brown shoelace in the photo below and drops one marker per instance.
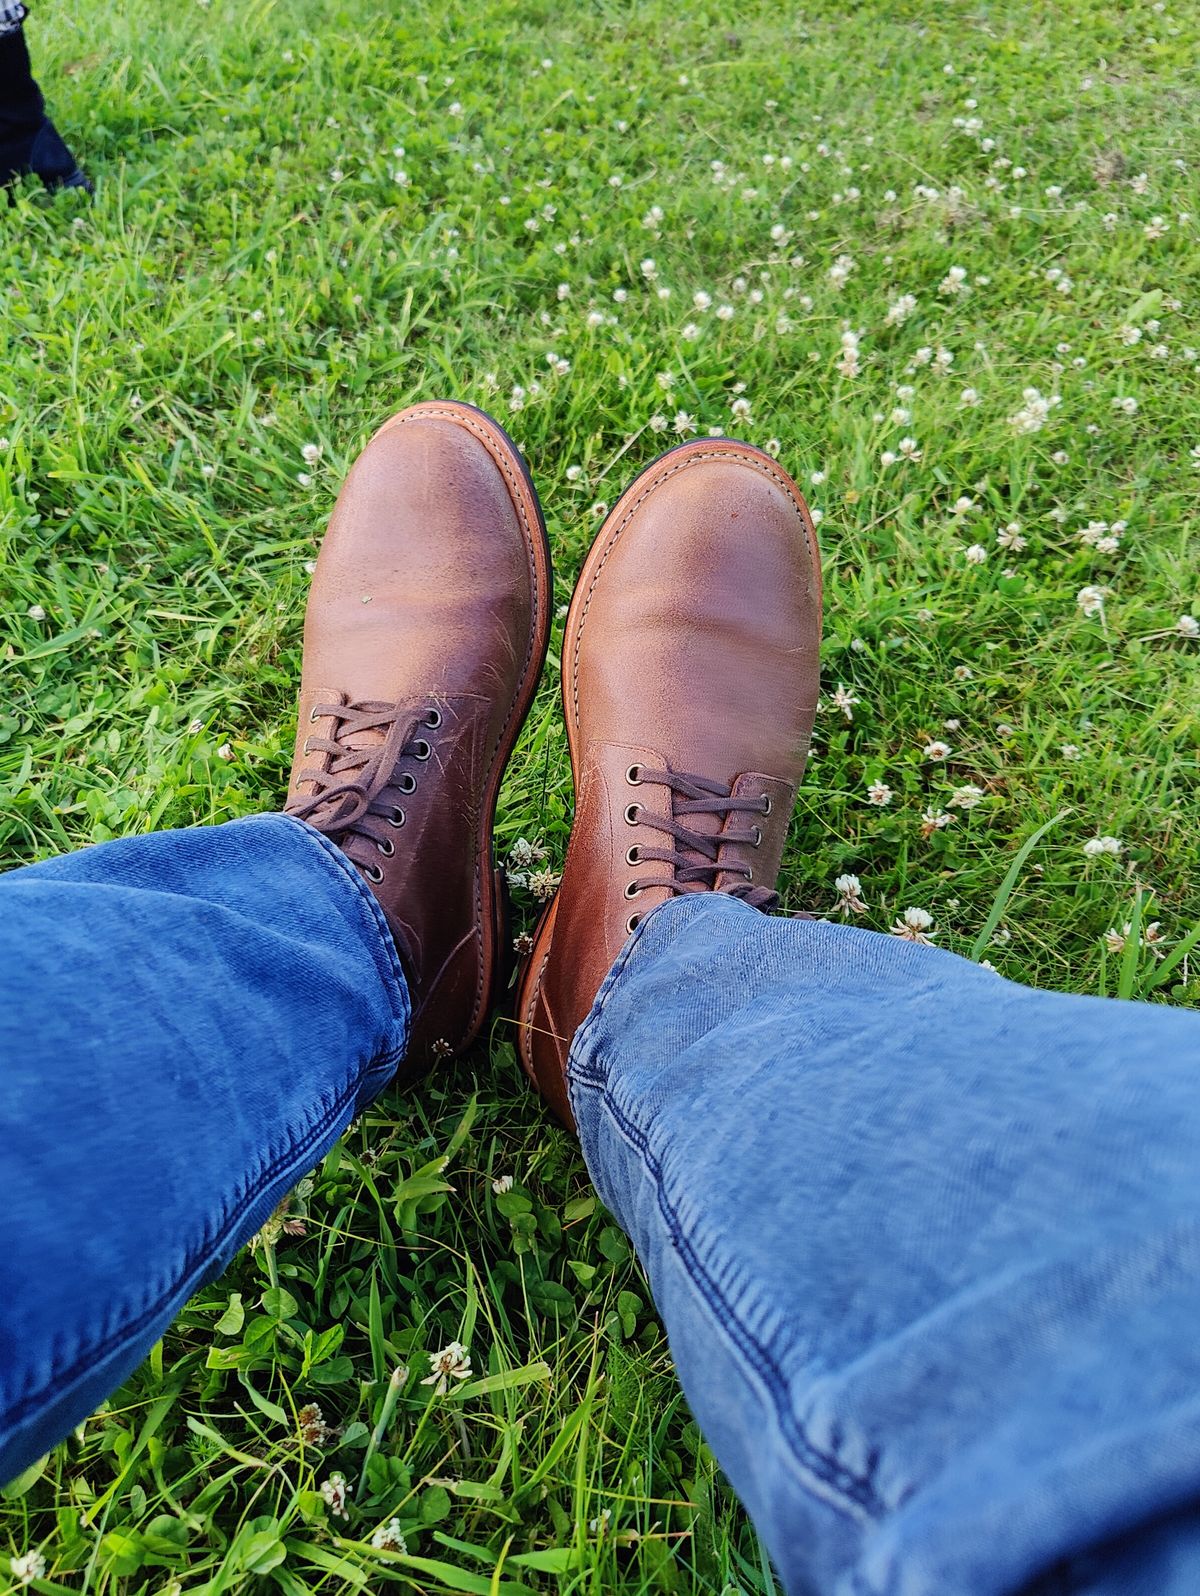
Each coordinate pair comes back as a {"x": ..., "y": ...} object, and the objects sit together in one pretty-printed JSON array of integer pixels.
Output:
[
  {"x": 696, "y": 795},
  {"x": 359, "y": 794}
]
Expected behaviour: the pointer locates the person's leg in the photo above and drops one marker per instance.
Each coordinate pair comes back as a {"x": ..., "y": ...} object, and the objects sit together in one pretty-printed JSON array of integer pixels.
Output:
[
  {"x": 188, "y": 1021},
  {"x": 927, "y": 1247},
  {"x": 29, "y": 141}
]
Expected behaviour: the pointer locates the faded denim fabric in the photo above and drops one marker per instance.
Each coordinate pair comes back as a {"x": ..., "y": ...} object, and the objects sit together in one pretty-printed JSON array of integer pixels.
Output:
[
  {"x": 926, "y": 1244},
  {"x": 188, "y": 1022}
]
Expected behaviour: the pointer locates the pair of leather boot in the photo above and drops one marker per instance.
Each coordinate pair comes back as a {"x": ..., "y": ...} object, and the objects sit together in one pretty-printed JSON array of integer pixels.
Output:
[{"x": 689, "y": 682}]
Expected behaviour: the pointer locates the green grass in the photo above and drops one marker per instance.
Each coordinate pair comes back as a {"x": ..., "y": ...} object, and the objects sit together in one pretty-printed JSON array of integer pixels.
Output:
[{"x": 168, "y": 353}]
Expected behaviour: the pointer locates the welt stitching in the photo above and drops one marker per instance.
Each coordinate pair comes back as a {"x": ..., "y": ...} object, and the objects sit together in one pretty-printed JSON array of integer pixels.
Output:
[
  {"x": 465, "y": 419},
  {"x": 852, "y": 1488},
  {"x": 199, "y": 1254},
  {"x": 753, "y": 461}
]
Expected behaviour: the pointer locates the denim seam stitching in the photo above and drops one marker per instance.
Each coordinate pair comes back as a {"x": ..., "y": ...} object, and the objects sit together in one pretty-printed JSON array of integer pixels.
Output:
[
  {"x": 197, "y": 1259},
  {"x": 580, "y": 1043},
  {"x": 854, "y": 1493}
]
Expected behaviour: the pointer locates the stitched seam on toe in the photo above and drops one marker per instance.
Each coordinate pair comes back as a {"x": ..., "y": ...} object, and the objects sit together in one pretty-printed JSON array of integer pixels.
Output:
[{"x": 838, "y": 1486}]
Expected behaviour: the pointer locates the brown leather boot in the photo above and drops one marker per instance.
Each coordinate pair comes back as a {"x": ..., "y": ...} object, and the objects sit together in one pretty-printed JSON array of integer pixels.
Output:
[
  {"x": 689, "y": 684},
  {"x": 424, "y": 638}
]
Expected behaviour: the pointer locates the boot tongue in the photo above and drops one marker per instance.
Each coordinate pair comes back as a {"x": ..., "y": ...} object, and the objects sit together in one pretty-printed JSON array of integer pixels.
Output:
[{"x": 704, "y": 825}]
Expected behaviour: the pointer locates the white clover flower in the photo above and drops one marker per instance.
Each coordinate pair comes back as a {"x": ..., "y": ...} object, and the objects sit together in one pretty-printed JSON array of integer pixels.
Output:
[
  {"x": 1188, "y": 626},
  {"x": 501, "y": 1184},
  {"x": 900, "y": 310},
  {"x": 966, "y": 797},
  {"x": 27, "y": 1567},
  {"x": 334, "y": 1492},
  {"x": 937, "y": 751},
  {"x": 1010, "y": 537},
  {"x": 388, "y": 1538},
  {"x": 843, "y": 699},
  {"x": 453, "y": 1362},
  {"x": 684, "y": 423},
  {"x": 915, "y": 925},
  {"x": 976, "y": 554},
  {"x": 934, "y": 820},
  {"x": 1091, "y": 600},
  {"x": 969, "y": 398},
  {"x": 1095, "y": 846},
  {"x": 35, "y": 612},
  {"x": 879, "y": 794},
  {"x": 311, "y": 453},
  {"x": 701, "y": 300},
  {"x": 848, "y": 363},
  {"x": 1034, "y": 413},
  {"x": 850, "y": 899}
]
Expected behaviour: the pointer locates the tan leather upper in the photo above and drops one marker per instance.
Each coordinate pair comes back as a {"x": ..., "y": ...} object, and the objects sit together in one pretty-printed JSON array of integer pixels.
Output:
[
  {"x": 691, "y": 644},
  {"x": 430, "y": 596}
]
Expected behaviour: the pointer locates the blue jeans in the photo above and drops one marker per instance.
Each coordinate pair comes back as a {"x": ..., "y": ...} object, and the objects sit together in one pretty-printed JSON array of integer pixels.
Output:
[{"x": 926, "y": 1243}]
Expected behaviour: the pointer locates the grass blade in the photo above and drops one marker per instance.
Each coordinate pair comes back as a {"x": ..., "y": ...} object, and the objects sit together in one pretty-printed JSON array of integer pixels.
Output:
[{"x": 1000, "y": 901}]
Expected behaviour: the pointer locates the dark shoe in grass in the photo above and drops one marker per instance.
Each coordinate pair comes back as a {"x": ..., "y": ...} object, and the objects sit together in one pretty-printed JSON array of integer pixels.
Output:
[{"x": 45, "y": 155}]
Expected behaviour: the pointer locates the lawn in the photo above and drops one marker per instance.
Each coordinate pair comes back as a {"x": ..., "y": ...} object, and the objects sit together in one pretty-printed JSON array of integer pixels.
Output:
[{"x": 943, "y": 258}]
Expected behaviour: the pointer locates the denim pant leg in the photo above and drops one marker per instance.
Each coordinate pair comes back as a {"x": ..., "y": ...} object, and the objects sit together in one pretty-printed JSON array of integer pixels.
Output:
[
  {"x": 188, "y": 1021},
  {"x": 927, "y": 1247}
]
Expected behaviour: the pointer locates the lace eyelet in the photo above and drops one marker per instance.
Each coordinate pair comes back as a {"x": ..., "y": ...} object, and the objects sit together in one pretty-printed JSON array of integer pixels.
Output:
[
  {"x": 632, "y": 855},
  {"x": 314, "y": 717},
  {"x": 407, "y": 782},
  {"x": 632, "y": 890},
  {"x": 421, "y": 749},
  {"x": 307, "y": 749},
  {"x": 749, "y": 872},
  {"x": 373, "y": 874},
  {"x": 396, "y": 818},
  {"x": 434, "y": 719},
  {"x": 386, "y": 847},
  {"x": 632, "y": 923},
  {"x": 632, "y": 811},
  {"x": 633, "y": 776},
  {"x": 766, "y": 803},
  {"x": 757, "y": 836}
]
